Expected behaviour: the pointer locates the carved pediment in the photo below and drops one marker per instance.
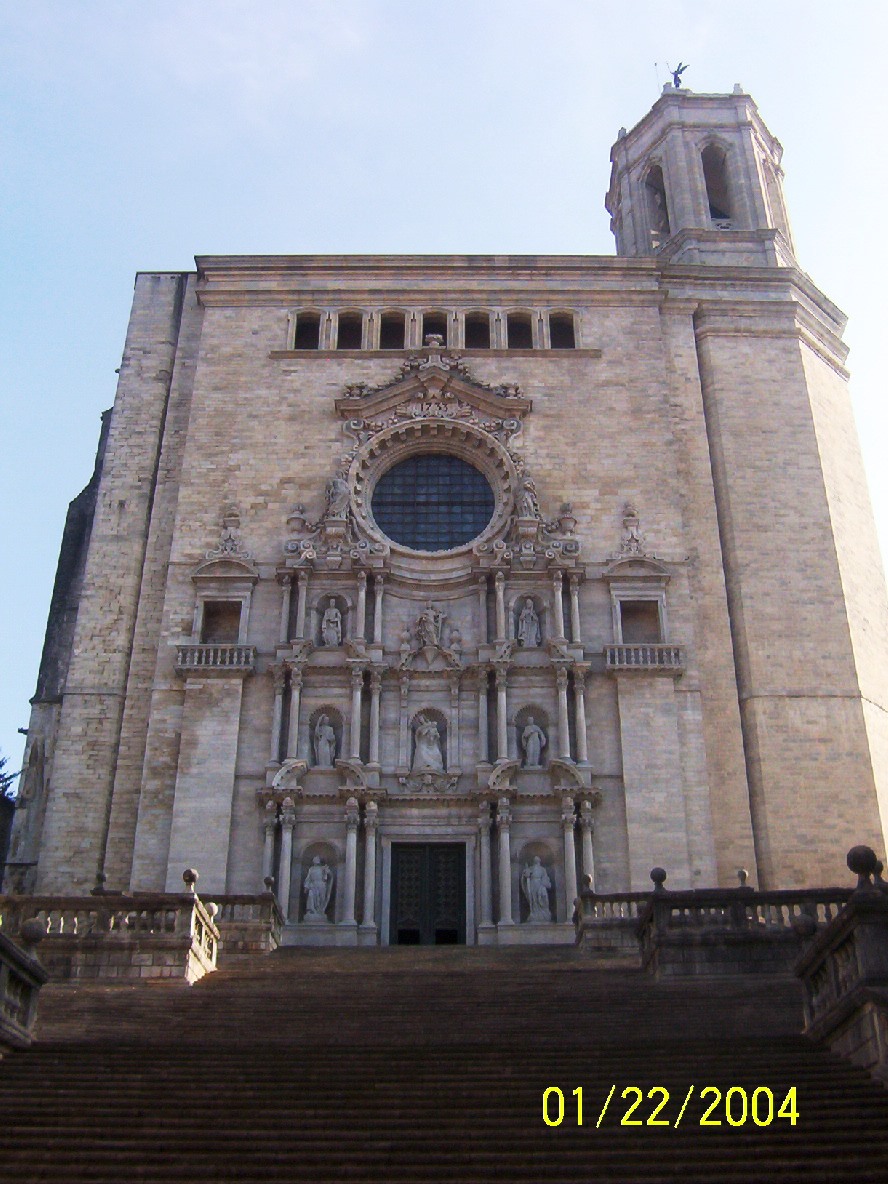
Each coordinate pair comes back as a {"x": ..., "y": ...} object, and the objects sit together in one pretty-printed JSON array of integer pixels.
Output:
[
  {"x": 227, "y": 568},
  {"x": 437, "y": 385},
  {"x": 635, "y": 567}
]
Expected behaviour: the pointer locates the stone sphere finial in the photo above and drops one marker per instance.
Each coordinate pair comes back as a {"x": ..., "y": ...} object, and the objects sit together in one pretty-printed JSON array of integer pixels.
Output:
[
  {"x": 658, "y": 875},
  {"x": 32, "y": 932},
  {"x": 189, "y": 878},
  {"x": 213, "y": 909},
  {"x": 742, "y": 876},
  {"x": 269, "y": 883},
  {"x": 862, "y": 861}
]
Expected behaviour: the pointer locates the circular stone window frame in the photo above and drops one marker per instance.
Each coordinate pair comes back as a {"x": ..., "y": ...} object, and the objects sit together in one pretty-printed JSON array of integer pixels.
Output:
[{"x": 401, "y": 441}]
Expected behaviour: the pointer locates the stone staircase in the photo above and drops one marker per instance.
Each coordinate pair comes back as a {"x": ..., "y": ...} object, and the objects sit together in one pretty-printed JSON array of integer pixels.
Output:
[{"x": 425, "y": 1065}]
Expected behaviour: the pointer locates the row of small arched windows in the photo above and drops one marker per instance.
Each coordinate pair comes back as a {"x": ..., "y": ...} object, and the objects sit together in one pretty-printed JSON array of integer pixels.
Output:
[{"x": 396, "y": 329}]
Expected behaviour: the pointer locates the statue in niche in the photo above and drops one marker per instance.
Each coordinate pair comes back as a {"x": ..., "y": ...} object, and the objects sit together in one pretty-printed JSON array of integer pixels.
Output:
[
  {"x": 318, "y": 888},
  {"x": 429, "y": 625},
  {"x": 529, "y": 625},
  {"x": 533, "y": 741},
  {"x": 535, "y": 885},
  {"x": 325, "y": 743},
  {"x": 528, "y": 506},
  {"x": 331, "y": 624},
  {"x": 338, "y": 499},
  {"x": 427, "y": 750}
]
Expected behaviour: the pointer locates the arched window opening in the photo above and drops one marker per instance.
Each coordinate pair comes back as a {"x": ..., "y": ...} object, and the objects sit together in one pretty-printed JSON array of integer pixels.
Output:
[
  {"x": 434, "y": 322},
  {"x": 561, "y": 331},
  {"x": 308, "y": 331},
  {"x": 477, "y": 330},
  {"x": 715, "y": 174},
  {"x": 520, "y": 330},
  {"x": 391, "y": 331},
  {"x": 657, "y": 207},
  {"x": 350, "y": 330}
]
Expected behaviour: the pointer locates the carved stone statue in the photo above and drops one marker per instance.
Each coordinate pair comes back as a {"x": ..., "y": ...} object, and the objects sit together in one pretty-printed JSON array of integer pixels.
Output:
[
  {"x": 533, "y": 741},
  {"x": 338, "y": 499},
  {"x": 427, "y": 749},
  {"x": 318, "y": 888},
  {"x": 528, "y": 625},
  {"x": 528, "y": 506},
  {"x": 331, "y": 624},
  {"x": 535, "y": 885},
  {"x": 325, "y": 743},
  {"x": 429, "y": 625}
]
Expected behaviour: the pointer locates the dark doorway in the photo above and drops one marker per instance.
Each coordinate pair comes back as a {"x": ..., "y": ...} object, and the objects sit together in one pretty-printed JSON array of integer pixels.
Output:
[{"x": 428, "y": 894}]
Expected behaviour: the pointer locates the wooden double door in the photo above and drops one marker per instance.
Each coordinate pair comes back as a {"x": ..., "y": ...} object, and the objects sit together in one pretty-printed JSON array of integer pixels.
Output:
[{"x": 428, "y": 894}]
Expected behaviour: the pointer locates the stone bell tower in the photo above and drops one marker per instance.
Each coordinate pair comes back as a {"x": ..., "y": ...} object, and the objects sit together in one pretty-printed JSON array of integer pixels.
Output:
[{"x": 698, "y": 180}]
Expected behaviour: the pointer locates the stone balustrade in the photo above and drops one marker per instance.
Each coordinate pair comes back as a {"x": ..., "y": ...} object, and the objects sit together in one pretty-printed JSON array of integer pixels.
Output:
[
  {"x": 607, "y": 923},
  {"x": 844, "y": 973},
  {"x": 21, "y": 977},
  {"x": 248, "y": 924},
  {"x": 668, "y": 658},
  {"x": 215, "y": 657},
  {"x": 110, "y": 936},
  {"x": 733, "y": 930}
]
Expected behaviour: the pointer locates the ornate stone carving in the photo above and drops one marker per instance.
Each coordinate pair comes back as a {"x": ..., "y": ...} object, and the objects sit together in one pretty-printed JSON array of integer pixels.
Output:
[
  {"x": 230, "y": 544},
  {"x": 427, "y": 746},
  {"x": 533, "y": 741},
  {"x": 331, "y": 624},
  {"x": 324, "y": 743},
  {"x": 289, "y": 774},
  {"x": 428, "y": 781},
  {"x": 318, "y": 886},
  {"x": 528, "y": 631},
  {"x": 535, "y": 885},
  {"x": 429, "y": 634},
  {"x": 632, "y": 542}
]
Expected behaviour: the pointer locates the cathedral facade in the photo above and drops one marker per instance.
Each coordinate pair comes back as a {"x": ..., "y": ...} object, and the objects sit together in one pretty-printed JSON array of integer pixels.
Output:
[{"x": 419, "y": 588}]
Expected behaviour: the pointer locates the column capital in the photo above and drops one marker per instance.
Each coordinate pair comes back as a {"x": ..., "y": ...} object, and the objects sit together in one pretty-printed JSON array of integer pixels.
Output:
[
  {"x": 561, "y": 677},
  {"x": 378, "y": 579},
  {"x": 504, "y": 813},
  {"x": 279, "y": 677},
  {"x": 371, "y": 815},
  {"x": 404, "y": 681},
  {"x": 481, "y": 580},
  {"x": 357, "y": 677},
  {"x": 499, "y": 579},
  {"x": 362, "y": 578},
  {"x": 557, "y": 577},
  {"x": 352, "y": 814},
  {"x": 270, "y": 821},
  {"x": 484, "y": 819},
  {"x": 288, "y": 813},
  {"x": 575, "y": 577},
  {"x": 286, "y": 579},
  {"x": 568, "y": 812},
  {"x": 376, "y": 673},
  {"x": 501, "y": 674},
  {"x": 580, "y": 670},
  {"x": 587, "y": 822},
  {"x": 302, "y": 576},
  {"x": 454, "y": 686}
]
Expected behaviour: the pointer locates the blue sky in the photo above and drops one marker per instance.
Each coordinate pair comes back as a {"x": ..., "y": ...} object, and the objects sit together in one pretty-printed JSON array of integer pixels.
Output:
[{"x": 136, "y": 135}]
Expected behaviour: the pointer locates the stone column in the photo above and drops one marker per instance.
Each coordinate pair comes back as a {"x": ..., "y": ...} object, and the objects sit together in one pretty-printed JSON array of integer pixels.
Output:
[
  {"x": 286, "y": 593},
  {"x": 375, "y": 691},
  {"x": 361, "y": 615},
  {"x": 557, "y": 606},
  {"x": 575, "y": 610},
  {"x": 570, "y": 855},
  {"x": 268, "y": 850},
  {"x": 483, "y": 754},
  {"x": 579, "y": 682},
  {"x": 403, "y": 723},
  {"x": 504, "y": 821},
  {"x": 486, "y": 883},
  {"x": 502, "y": 721},
  {"x": 499, "y": 584},
  {"x": 357, "y": 681},
  {"x": 482, "y": 610},
  {"x": 378, "y": 584},
  {"x": 285, "y": 867},
  {"x": 587, "y": 826},
  {"x": 302, "y": 583},
  {"x": 279, "y": 674},
  {"x": 371, "y": 820},
  {"x": 453, "y": 728},
  {"x": 295, "y": 699},
  {"x": 563, "y": 727},
  {"x": 352, "y": 818}
]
